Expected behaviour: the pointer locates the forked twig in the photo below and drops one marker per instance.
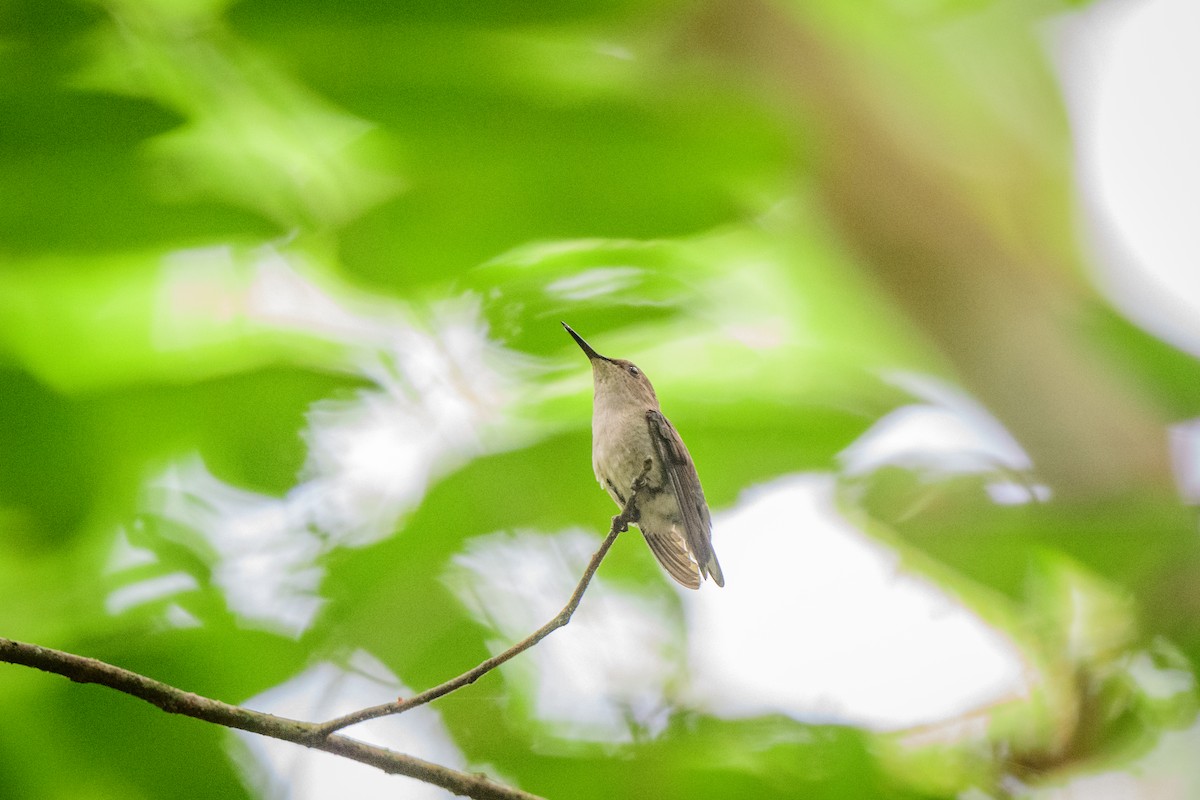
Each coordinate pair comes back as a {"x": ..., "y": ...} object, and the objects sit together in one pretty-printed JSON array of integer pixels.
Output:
[
  {"x": 620, "y": 523},
  {"x": 177, "y": 701},
  {"x": 321, "y": 736}
]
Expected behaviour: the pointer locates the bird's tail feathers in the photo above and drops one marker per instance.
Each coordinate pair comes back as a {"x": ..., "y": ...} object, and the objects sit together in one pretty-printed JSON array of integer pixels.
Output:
[{"x": 713, "y": 568}]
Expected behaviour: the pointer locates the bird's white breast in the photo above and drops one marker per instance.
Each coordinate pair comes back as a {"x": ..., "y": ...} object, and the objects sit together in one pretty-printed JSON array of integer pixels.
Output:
[{"x": 620, "y": 445}]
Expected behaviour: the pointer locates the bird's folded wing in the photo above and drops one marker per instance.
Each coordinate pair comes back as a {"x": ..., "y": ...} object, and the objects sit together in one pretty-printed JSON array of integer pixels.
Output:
[{"x": 681, "y": 473}]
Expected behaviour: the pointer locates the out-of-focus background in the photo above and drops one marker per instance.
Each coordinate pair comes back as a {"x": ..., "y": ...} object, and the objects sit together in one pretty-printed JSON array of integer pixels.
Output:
[{"x": 287, "y": 417}]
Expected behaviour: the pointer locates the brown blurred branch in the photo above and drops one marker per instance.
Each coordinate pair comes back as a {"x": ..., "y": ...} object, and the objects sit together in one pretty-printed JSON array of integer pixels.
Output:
[
  {"x": 620, "y": 523},
  {"x": 971, "y": 237},
  {"x": 321, "y": 736}
]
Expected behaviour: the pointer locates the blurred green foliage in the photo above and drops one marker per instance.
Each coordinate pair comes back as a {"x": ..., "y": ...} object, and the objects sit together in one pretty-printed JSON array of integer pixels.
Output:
[{"x": 182, "y": 183}]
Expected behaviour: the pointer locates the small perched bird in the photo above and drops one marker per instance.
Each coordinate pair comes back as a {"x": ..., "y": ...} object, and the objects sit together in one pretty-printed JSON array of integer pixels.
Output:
[{"x": 628, "y": 428}]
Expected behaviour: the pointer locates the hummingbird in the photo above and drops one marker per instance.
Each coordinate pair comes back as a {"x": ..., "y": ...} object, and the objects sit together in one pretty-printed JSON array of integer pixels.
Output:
[{"x": 629, "y": 430}]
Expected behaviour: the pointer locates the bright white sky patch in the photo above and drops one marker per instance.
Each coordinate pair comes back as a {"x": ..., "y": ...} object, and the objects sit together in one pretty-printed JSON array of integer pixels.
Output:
[
  {"x": 610, "y": 666},
  {"x": 125, "y": 555},
  {"x": 440, "y": 388},
  {"x": 1185, "y": 456},
  {"x": 264, "y": 557},
  {"x": 441, "y": 394},
  {"x": 816, "y": 621},
  {"x": 282, "y": 769},
  {"x": 949, "y": 429},
  {"x": 594, "y": 283},
  {"x": 1129, "y": 73},
  {"x": 135, "y": 594},
  {"x": 948, "y": 433}
]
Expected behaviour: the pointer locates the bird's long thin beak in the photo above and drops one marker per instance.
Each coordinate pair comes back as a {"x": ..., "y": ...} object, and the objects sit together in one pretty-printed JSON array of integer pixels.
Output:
[{"x": 587, "y": 348}]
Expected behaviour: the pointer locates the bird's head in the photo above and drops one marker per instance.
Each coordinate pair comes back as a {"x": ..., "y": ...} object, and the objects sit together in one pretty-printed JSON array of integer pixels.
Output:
[{"x": 616, "y": 380}]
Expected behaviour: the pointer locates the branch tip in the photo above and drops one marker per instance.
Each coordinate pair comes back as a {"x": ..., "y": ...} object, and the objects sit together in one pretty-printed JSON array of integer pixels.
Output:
[{"x": 620, "y": 523}]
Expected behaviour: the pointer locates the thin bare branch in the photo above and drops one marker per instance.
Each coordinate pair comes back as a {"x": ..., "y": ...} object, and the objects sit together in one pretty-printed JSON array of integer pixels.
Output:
[
  {"x": 619, "y": 523},
  {"x": 309, "y": 734},
  {"x": 321, "y": 736}
]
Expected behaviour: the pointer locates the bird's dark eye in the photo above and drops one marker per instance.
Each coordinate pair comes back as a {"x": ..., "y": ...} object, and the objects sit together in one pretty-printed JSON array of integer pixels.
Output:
[{"x": 633, "y": 370}]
